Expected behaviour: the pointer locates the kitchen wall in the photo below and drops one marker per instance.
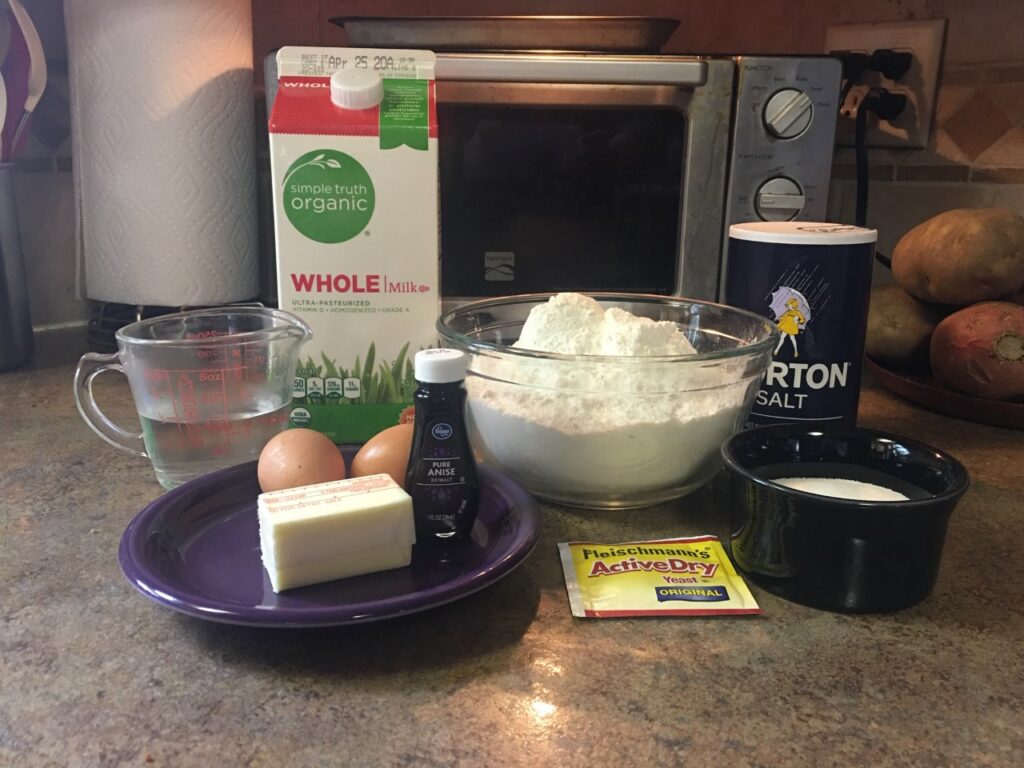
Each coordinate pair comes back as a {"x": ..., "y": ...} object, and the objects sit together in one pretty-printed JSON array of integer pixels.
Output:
[{"x": 976, "y": 157}]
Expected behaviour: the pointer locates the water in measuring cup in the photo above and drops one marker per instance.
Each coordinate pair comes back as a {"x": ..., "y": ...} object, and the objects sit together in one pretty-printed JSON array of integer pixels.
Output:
[{"x": 181, "y": 450}]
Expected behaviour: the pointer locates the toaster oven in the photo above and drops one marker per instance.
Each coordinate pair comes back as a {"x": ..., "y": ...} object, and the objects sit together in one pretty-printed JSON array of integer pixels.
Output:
[{"x": 604, "y": 172}]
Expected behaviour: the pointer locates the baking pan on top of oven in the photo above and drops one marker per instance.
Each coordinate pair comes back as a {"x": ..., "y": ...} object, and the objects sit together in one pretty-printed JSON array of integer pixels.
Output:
[{"x": 596, "y": 34}]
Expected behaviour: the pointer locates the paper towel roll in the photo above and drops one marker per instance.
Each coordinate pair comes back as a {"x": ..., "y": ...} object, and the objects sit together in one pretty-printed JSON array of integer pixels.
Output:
[{"x": 162, "y": 150}]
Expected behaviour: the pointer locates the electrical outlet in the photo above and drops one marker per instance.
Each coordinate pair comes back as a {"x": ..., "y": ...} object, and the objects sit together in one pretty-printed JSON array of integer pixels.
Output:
[{"x": 921, "y": 38}]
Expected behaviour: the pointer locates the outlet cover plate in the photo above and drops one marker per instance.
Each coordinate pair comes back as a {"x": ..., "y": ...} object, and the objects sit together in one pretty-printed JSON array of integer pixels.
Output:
[{"x": 912, "y": 128}]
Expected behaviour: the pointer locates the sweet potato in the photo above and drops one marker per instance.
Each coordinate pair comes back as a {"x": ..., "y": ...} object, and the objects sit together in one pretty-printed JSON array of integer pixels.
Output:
[
  {"x": 962, "y": 256},
  {"x": 980, "y": 350},
  {"x": 900, "y": 328}
]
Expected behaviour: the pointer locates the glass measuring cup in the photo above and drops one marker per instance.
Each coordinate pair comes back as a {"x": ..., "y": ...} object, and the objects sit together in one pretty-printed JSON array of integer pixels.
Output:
[{"x": 211, "y": 386}]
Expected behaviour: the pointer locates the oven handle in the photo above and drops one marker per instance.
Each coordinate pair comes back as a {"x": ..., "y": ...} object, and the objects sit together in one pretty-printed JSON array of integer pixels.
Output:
[{"x": 562, "y": 68}]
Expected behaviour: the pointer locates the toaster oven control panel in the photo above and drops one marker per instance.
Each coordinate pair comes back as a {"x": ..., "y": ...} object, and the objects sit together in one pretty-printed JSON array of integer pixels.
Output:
[{"x": 782, "y": 138}]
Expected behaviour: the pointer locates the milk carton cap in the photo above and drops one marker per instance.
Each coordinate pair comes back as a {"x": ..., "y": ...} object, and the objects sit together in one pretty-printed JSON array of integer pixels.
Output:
[
  {"x": 356, "y": 88},
  {"x": 440, "y": 366}
]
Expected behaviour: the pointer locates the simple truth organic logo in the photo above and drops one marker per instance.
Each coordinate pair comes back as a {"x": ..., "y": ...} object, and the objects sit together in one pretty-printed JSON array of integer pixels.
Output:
[{"x": 328, "y": 196}]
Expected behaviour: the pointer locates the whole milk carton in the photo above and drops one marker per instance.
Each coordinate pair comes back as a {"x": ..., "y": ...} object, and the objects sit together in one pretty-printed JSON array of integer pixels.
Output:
[{"x": 353, "y": 146}]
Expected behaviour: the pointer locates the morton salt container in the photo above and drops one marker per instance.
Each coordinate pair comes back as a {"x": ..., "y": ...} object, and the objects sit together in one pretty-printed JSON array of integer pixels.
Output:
[{"x": 813, "y": 280}]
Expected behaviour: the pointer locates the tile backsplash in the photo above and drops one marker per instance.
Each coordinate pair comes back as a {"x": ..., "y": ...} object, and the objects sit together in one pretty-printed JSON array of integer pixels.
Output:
[{"x": 975, "y": 158}]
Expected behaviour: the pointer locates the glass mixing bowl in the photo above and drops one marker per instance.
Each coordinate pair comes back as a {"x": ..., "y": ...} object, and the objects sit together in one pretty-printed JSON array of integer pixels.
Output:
[{"x": 608, "y": 432}]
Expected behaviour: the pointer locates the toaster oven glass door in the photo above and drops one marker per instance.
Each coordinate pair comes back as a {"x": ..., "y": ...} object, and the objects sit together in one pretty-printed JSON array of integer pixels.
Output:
[
  {"x": 582, "y": 172},
  {"x": 560, "y": 197}
]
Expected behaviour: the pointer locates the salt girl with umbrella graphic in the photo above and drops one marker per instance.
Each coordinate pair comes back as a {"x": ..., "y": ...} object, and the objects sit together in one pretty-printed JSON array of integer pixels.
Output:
[{"x": 792, "y": 312}]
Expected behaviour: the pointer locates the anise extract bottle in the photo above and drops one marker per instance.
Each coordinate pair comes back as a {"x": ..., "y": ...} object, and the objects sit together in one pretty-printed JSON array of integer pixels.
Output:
[{"x": 441, "y": 477}]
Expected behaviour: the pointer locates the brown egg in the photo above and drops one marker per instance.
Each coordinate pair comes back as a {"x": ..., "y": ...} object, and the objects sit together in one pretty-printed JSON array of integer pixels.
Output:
[
  {"x": 386, "y": 452},
  {"x": 299, "y": 457}
]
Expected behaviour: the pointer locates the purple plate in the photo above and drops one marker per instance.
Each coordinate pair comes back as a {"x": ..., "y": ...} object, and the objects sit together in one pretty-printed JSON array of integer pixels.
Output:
[{"x": 196, "y": 550}]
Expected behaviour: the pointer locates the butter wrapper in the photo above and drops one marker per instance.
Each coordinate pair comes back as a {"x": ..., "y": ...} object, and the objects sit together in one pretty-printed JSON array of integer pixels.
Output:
[{"x": 690, "y": 576}]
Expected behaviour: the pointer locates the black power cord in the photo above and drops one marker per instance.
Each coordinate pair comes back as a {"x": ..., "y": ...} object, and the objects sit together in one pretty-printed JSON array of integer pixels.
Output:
[
  {"x": 892, "y": 65},
  {"x": 887, "y": 106},
  {"x": 855, "y": 64}
]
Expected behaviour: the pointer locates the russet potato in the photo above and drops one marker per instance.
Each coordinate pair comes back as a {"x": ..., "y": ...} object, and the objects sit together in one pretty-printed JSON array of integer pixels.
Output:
[
  {"x": 962, "y": 256},
  {"x": 900, "y": 328}
]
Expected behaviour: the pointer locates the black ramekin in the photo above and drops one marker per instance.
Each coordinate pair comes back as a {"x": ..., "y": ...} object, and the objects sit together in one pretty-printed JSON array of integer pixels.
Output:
[{"x": 840, "y": 554}]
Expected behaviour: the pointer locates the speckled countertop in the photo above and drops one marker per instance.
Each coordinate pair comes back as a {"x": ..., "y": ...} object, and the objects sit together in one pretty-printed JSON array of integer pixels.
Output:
[{"x": 92, "y": 674}]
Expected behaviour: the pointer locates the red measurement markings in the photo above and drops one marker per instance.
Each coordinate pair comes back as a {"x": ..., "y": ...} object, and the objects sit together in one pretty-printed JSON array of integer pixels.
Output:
[
  {"x": 211, "y": 397},
  {"x": 224, "y": 406},
  {"x": 189, "y": 406},
  {"x": 221, "y": 429},
  {"x": 158, "y": 382},
  {"x": 212, "y": 355},
  {"x": 255, "y": 365},
  {"x": 160, "y": 388}
]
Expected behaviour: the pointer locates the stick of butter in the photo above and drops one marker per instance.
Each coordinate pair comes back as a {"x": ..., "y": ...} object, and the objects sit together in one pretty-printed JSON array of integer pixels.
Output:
[{"x": 335, "y": 530}]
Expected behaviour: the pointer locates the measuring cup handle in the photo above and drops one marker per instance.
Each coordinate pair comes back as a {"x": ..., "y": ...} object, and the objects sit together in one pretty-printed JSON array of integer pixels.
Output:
[{"x": 89, "y": 367}]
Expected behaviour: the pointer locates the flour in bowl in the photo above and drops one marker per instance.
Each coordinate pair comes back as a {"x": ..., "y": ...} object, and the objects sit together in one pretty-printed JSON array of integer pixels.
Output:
[
  {"x": 574, "y": 324},
  {"x": 589, "y": 426}
]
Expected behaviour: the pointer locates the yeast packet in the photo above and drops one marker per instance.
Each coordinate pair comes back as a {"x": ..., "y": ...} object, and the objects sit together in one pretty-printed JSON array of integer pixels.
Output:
[{"x": 667, "y": 577}]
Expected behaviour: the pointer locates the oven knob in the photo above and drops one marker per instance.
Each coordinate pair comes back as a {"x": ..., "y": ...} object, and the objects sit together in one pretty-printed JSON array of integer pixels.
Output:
[
  {"x": 788, "y": 113},
  {"x": 779, "y": 199}
]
